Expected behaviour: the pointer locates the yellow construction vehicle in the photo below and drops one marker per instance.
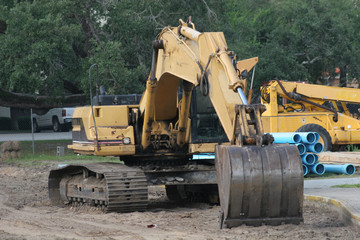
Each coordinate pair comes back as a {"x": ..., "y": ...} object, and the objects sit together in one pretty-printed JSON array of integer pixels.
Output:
[
  {"x": 301, "y": 107},
  {"x": 193, "y": 106}
]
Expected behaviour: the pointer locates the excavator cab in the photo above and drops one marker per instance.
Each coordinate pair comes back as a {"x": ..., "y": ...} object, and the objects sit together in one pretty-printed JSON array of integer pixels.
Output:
[{"x": 205, "y": 123}]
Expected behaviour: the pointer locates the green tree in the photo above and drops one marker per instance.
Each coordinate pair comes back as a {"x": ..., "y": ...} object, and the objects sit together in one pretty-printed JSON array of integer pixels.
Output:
[
  {"x": 296, "y": 40},
  {"x": 36, "y": 50},
  {"x": 47, "y": 46},
  {"x": 124, "y": 52}
]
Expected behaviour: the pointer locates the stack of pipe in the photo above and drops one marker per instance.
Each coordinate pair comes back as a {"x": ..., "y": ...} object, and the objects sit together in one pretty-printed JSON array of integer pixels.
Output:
[{"x": 309, "y": 148}]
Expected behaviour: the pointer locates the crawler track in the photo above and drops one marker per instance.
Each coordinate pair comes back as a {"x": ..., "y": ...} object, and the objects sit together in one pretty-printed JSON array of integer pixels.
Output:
[
  {"x": 127, "y": 191},
  {"x": 113, "y": 187}
]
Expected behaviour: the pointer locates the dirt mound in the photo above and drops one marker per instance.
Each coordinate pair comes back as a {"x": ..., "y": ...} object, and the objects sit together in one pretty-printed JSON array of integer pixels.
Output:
[
  {"x": 10, "y": 149},
  {"x": 10, "y": 171}
]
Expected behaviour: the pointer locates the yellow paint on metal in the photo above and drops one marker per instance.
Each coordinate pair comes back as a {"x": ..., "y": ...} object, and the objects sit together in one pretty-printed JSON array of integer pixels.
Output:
[
  {"x": 277, "y": 119},
  {"x": 187, "y": 57},
  {"x": 113, "y": 128},
  {"x": 247, "y": 64}
]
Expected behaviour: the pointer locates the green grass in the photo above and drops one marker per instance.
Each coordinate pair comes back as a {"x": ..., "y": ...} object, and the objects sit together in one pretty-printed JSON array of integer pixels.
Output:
[
  {"x": 347, "y": 186},
  {"x": 45, "y": 147},
  {"x": 312, "y": 176},
  {"x": 45, "y": 160},
  {"x": 352, "y": 148},
  {"x": 46, "y": 151}
]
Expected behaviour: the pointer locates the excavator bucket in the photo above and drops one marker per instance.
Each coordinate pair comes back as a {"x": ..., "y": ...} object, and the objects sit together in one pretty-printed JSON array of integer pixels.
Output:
[{"x": 259, "y": 185}]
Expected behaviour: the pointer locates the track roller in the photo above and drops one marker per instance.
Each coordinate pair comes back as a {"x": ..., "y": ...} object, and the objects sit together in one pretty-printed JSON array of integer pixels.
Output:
[{"x": 112, "y": 187}]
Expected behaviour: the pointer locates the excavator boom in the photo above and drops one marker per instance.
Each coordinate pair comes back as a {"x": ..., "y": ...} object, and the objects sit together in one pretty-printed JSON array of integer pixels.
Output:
[{"x": 199, "y": 59}]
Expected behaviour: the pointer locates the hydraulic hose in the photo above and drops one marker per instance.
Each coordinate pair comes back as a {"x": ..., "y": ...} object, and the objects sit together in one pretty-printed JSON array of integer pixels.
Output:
[
  {"x": 297, "y": 97},
  {"x": 151, "y": 86},
  {"x": 157, "y": 44},
  {"x": 91, "y": 100}
]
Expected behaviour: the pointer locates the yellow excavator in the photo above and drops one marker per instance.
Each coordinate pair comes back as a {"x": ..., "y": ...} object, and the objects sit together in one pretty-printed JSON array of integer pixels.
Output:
[
  {"x": 194, "y": 132},
  {"x": 302, "y": 107}
]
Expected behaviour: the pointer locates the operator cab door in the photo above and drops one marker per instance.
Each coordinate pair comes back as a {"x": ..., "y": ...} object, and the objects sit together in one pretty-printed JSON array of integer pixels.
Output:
[{"x": 205, "y": 124}]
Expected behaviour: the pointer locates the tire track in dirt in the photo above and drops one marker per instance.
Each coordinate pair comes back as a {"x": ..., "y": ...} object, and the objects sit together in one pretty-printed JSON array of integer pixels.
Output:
[
  {"x": 48, "y": 222},
  {"x": 25, "y": 213}
]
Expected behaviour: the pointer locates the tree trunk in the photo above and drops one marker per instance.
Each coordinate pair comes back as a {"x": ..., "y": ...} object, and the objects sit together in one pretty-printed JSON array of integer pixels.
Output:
[{"x": 343, "y": 72}]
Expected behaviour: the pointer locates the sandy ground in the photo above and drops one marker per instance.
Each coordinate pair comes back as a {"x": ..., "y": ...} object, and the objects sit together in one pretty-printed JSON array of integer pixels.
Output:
[{"x": 25, "y": 213}]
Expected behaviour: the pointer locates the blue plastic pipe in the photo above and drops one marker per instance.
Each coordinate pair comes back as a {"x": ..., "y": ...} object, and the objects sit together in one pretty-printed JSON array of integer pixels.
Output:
[
  {"x": 301, "y": 147},
  {"x": 317, "y": 168},
  {"x": 347, "y": 169},
  {"x": 315, "y": 148},
  {"x": 203, "y": 156},
  {"x": 305, "y": 169},
  {"x": 308, "y": 159},
  {"x": 307, "y": 137},
  {"x": 316, "y": 158},
  {"x": 61, "y": 165},
  {"x": 286, "y": 137},
  {"x": 317, "y": 136}
]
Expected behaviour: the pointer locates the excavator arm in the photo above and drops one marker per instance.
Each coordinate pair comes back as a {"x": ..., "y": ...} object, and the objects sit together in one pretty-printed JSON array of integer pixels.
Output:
[
  {"x": 258, "y": 182},
  {"x": 183, "y": 53}
]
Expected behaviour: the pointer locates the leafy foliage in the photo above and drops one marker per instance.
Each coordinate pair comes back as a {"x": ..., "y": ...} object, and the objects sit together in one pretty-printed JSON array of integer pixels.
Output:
[
  {"x": 297, "y": 40},
  {"x": 36, "y": 51},
  {"x": 47, "y": 46}
]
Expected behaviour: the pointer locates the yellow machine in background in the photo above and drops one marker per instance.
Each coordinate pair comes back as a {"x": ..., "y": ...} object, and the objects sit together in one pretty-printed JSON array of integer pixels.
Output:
[
  {"x": 193, "y": 104},
  {"x": 312, "y": 108}
]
